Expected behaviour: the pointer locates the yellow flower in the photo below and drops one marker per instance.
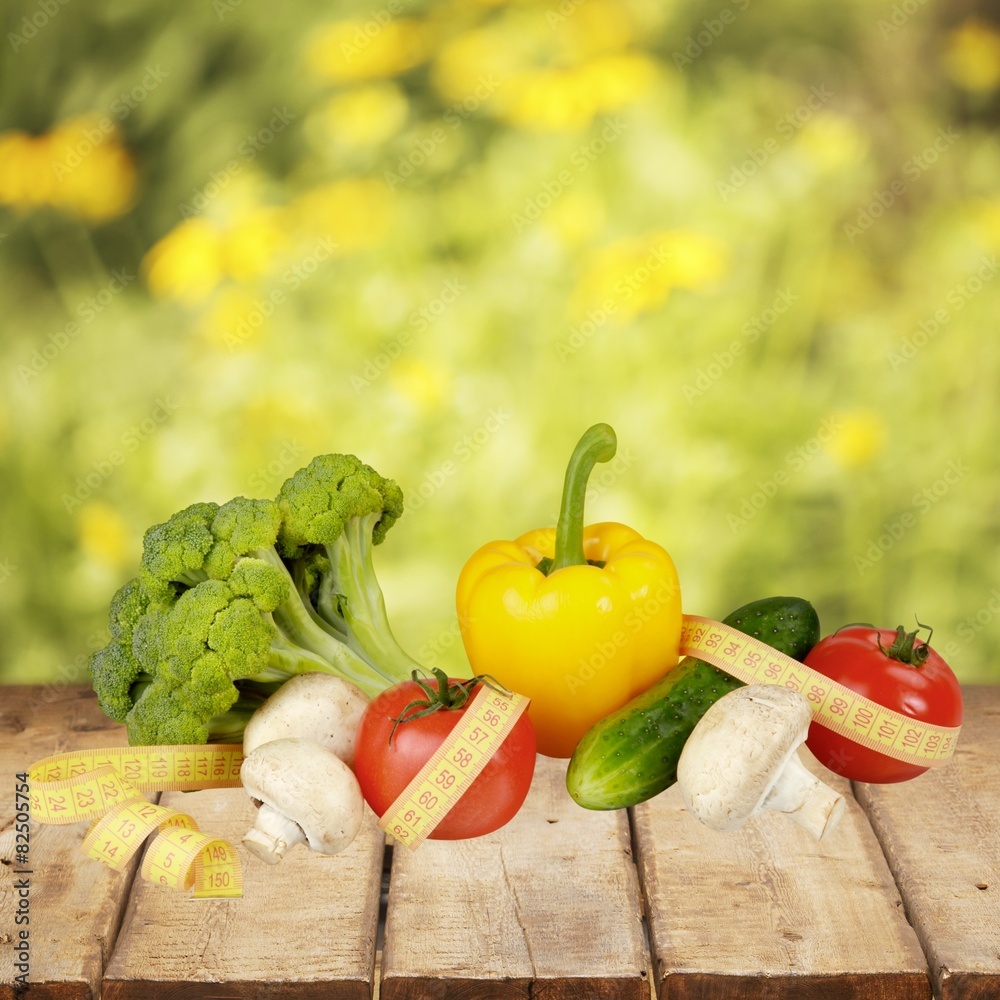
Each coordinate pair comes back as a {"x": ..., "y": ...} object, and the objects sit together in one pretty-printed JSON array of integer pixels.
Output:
[
  {"x": 833, "y": 142},
  {"x": 425, "y": 386},
  {"x": 94, "y": 176},
  {"x": 366, "y": 116},
  {"x": 234, "y": 320},
  {"x": 633, "y": 276},
  {"x": 354, "y": 213},
  {"x": 972, "y": 55},
  {"x": 187, "y": 263},
  {"x": 104, "y": 535},
  {"x": 365, "y": 50},
  {"x": 697, "y": 261},
  {"x": 252, "y": 241},
  {"x": 593, "y": 27},
  {"x": 554, "y": 100},
  {"x": 859, "y": 436},
  {"x": 576, "y": 217},
  {"x": 79, "y": 167},
  {"x": 985, "y": 220},
  {"x": 484, "y": 54}
]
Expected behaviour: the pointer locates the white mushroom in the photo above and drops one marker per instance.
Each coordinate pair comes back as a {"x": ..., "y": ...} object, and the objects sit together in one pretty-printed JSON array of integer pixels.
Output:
[
  {"x": 741, "y": 758},
  {"x": 316, "y": 706},
  {"x": 306, "y": 793}
]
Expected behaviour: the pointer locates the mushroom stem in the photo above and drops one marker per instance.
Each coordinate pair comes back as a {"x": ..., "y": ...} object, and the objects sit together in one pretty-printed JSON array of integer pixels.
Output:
[
  {"x": 272, "y": 835},
  {"x": 799, "y": 794}
]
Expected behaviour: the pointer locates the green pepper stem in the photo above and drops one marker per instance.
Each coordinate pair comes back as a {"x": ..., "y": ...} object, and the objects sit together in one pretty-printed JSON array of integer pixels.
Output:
[{"x": 598, "y": 444}]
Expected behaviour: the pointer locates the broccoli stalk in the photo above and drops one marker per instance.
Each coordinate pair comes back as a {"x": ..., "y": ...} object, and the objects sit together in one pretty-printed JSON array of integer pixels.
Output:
[{"x": 231, "y": 601}]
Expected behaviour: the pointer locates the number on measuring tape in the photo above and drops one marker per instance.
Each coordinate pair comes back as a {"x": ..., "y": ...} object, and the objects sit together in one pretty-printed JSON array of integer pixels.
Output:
[
  {"x": 833, "y": 705},
  {"x": 458, "y": 761}
]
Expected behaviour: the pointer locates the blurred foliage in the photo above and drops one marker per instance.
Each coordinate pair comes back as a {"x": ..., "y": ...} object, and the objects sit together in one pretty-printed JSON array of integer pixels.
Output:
[{"x": 758, "y": 240}]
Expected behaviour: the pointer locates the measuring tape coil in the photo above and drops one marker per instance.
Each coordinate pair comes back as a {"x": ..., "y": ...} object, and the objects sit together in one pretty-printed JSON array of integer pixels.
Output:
[{"x": 106, "y": 786}]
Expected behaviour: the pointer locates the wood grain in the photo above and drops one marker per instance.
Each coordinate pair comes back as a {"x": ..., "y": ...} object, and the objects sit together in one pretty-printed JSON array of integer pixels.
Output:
[
  {"x": 304, "y": 928},
  {"x": 76, "y": 904},
  {"x": 548, "y": 906},
  {"x": 941, "y": 836},
  {"x": 767, "y": 911}
]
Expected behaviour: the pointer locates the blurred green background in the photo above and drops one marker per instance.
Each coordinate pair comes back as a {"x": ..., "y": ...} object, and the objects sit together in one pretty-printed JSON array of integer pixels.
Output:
[{"x": 759, "y": 240}]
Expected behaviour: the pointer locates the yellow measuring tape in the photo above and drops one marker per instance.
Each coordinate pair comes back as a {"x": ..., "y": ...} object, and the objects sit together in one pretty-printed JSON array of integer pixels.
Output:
[
  {"x": 106, "y": 785},
  {"x": 835, "y": 706},
  {"x": 452, "y": 768}
]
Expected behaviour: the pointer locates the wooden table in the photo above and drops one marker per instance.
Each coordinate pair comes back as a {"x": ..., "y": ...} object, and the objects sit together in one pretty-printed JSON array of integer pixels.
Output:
[{"x": 562, "y": 903}]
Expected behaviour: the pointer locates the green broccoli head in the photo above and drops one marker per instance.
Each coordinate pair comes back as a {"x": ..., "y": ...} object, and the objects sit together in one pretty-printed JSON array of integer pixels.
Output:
[
  {"x": 210, "y": 638},
  {"x": 114, "y": 668},
  {"x": 205, "y": 541},
  {"x": 240, "y": 528},
  {"x": 173, "y": 553},
  {"x": 318, "y": 501},
  {"x": 232, "y": 600}
]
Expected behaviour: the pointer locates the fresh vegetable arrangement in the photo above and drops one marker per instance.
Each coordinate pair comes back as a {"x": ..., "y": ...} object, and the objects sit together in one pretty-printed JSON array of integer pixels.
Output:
[{"x": 262, "y": 621}]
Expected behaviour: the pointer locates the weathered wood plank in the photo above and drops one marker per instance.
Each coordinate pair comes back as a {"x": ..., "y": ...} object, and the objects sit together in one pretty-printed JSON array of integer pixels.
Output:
[
  {"x": 76, "y": 904},
  {"x": 941, "y": 836},
  {"x": 303, "y": 929},
  {"x": 547, "y": 906},
  {"x": 767, "y": 911}
]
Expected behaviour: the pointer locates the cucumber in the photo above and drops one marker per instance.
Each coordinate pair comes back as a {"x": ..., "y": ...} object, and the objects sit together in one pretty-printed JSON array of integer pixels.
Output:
[{"x": 631, "y": 755}]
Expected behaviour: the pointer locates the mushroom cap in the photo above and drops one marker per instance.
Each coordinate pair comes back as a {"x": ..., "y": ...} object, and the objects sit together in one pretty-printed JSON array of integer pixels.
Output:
[
  {"x": 737, "y": 750},
  {"x": 311, "y": 786},
  {"x": 316, "y": 706}
]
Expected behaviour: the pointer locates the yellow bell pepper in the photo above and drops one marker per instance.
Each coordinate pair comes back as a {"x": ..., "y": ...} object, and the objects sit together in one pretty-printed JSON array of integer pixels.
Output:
[{"x": 580, "y": 620}]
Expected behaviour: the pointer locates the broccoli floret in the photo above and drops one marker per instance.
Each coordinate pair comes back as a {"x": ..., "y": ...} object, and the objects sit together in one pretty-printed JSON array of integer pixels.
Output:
[
  {"x": 233, "y": 600},
  {"x": 333, "y": 512}
]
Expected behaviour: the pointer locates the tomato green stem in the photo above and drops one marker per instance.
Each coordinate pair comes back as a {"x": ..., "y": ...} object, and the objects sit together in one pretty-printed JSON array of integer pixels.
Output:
[
  {"x": 598, "y": 444},
  {"x": 446, "y": 695},
  {"x": 904, "y": 646}
]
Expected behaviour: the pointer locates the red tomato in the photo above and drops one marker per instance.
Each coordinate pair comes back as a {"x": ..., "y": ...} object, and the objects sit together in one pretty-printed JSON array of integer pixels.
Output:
[
  {"x": 384, "y": 770},
  {"x": 919, "y": 684}
]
